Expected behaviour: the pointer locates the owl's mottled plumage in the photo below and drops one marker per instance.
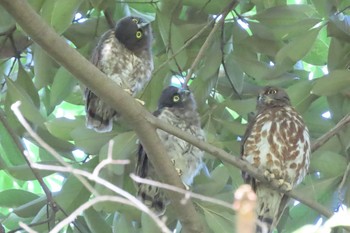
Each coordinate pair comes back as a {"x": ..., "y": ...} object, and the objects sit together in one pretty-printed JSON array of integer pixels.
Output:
[
  {"x": 124, "y": 55},
  {"x": 276, "y": 141},
  {"x": 176, "y": 107}
]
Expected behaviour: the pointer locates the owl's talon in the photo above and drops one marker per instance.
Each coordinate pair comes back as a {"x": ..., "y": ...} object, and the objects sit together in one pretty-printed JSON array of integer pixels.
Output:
[
  {"x": 140, "y": 101},
  {"x": 127, "y": 90},
  {"x": 284, "y": 185},
  {"x": 269, "y": 175},
  {"x": 179, "y": 171}
]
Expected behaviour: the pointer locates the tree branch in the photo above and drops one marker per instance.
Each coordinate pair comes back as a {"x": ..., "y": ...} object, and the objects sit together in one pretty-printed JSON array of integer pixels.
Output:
[
  {"x": 141, "y": 120},
  {"x": 237, "y": 162},
  {"x": 210, "y": 37},
  {"x": 113, "y": 94},
  {"x": 324, "y": 138}
]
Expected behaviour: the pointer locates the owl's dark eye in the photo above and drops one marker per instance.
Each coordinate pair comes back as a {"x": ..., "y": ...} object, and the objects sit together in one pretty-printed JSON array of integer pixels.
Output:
[
  {"x": 176, "y": 98},
  {"x": 139, "y": 34},
  {"x": 135, "y": 20},
  {"x": 271, "y": 92}
]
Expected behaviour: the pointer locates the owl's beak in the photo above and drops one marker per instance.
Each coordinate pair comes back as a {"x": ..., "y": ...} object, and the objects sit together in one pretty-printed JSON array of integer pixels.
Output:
[
  {"x": 265, "y": 99},
  {"x": 185, "y": 93}
]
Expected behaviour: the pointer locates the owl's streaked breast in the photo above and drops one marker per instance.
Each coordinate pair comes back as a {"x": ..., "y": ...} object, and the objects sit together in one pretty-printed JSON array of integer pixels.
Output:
[
  {"x": 188, "y": 158},
  {"x": 123, "y": 66},
  {"x": 279, "y": 143}
]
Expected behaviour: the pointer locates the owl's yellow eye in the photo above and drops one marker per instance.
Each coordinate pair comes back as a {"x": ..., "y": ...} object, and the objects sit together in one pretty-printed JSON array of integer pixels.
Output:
[
  {"x": 271, "y": 92},
  {"x": 139, "y": 34},
  {"x": 176, "y": 98},
  {"x": 135, "y": 20}
]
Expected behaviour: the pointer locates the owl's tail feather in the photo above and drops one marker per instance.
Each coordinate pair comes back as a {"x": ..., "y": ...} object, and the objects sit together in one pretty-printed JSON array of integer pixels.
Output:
[
  {"x": 269, "y": 209},
  {"x": 99, "y": 116},
  {"x": 98, "y": 123},
  {"x": 153, "y": 198}
]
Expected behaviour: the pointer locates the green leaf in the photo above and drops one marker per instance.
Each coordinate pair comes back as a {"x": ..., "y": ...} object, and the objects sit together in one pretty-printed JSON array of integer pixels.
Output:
[
  {"x": 234, "y": 71},
  {"x": 27, "y": 107},
  {"x": 284, "y": 15},
  {"x": 318, "y": 54},
  {"x": 300, "y": 95},
  {"x": 95, "y": 221},
  {"x": 72, "y": 194},
  {"x": 8, "y": 148},
  {"x": 62, "y": 86},
  {"x": 148, "y": 225},
  {"x": 332, "y": 83},
  {"x": 21, "y": 197},
  {"x": 298, "y": 47},
  {"x": 23, "y": 172},
  {"x": 219, "y": 222},
  {"x": 31, "y": 208},
  {"x": 173, "y": 41},
  {"x": 122, "y": 224},
  {"x": 219, "y": 178},
  {"x": 320, "y": 162},
  {"x": 6, "y": 20},
  {"x": 63, "y": 14},
  {"x": 57, "y": 143},
  {"x": 127, "y": 151},
  {"x": 62, "y": 127},
  {"x": 90, "y": 141},
  {"x": 45, "y": 67},
  {"x": 24, "y": 80},
  {"x": 211, "y": 7}
]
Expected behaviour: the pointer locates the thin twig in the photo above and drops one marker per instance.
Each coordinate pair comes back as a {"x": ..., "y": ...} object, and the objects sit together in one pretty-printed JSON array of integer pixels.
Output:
[
  {"x": 208, "y": 40},
  {"x": 223, "y": 63},
  {"x": 26, "y": 227},
  {"x": 109, "y": 160},
  {"x": 25, "y": 124},
  {"x": 187, "y": 194},
  {"x": 188, "y": 42},
  {"x": 24, "y": 152},
  {"x": 324, "y": 138},
  {"x": 77, "y": 172},
  {"x": 94, "y": 201}
]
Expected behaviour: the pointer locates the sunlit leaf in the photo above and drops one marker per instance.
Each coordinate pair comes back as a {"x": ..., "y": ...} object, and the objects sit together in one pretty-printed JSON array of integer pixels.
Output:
[
  {"x": 331, "y": 83},
  {"x": 63, "y": 13}
]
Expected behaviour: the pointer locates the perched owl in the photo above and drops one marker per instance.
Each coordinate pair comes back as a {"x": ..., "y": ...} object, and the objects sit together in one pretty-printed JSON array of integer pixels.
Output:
[
  {"x": 176, "y": 107},
  {"x": 277, "y": 142},
  {"x": 124, "y": 55}
]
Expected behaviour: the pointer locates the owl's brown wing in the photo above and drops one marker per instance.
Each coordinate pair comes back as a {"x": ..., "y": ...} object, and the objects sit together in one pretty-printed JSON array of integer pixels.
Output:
[
  {"x": 99, "y": 115},
  {"x": 151, "y": 196},
  {"x": 251, "y": 121}
]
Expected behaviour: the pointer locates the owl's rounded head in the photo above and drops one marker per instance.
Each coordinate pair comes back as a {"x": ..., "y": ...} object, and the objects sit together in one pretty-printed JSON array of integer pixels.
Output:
[
  {"x": 134, "y": 33},
  {"x": 272, "y": 97},
  {"x": 173, "y": 97}
]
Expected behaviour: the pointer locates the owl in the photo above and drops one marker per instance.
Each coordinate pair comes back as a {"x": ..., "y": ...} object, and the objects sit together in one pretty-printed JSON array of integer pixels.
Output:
[
  {"x": 124, "y": 55},
  {"x": 176, "y": 107},
  {"x": 277, "y": 142}
]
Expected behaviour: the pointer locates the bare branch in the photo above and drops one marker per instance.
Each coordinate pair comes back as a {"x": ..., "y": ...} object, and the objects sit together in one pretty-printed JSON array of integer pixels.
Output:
[
  {"x": 94, "y": 201},
  {"x": 129, "y": 197},
  {"x": 23, "y": 121},
  {"x": 187, "y": 194},
  {"x": 113, "y": 95},
  {"x": 324, "y": 138},
  {"x": 26, "y": 227}
]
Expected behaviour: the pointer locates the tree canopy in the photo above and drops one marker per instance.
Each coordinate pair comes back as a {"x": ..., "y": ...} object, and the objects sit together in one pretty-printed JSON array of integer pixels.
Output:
[{"x": 225, "y": 50}]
